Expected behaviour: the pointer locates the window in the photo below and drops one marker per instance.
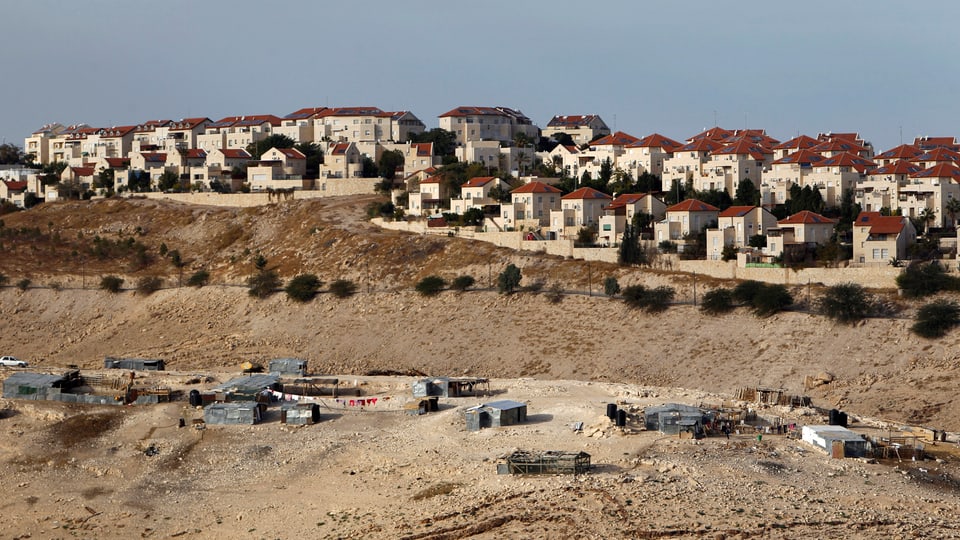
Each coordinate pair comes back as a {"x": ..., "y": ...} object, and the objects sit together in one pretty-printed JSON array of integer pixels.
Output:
[{"x": 876, "y": 253}]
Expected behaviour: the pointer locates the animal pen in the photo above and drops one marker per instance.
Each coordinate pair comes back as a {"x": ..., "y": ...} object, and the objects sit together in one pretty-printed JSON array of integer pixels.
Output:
[
  {"x": 771, "y": 396},
  {"x": 548, "y": 462},
  {"x": 136, "y": 364}
]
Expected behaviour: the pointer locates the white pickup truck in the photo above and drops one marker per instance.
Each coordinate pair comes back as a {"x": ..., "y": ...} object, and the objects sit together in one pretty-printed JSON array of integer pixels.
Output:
[{"x": 11, "y": 361}]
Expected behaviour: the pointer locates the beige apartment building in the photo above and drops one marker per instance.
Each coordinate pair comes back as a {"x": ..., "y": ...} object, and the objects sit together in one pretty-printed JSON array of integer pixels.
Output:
[
  {"x": 735, "y": 226},
  {"x": 579, "y": 209},
  {"x": 904, "y": 152},
  {"x": 688, "y": 162},
  {"x": 475, "y": 193},
  {"x": 688, "y": 217},
  {"x": 488, "y": 124},
  {"x": 647, "y": 154},
  {"x": 880, "y": 187},
  {"x": 797, "y": 233},
  {"x": 785, "y": 172},
  {"x": 834, "y": 175},
  {"x": 877, "y": 239},
  {"x": 929, "y": 190},
  {"x": 726, "y": 167},
  {"x": 581, "y": 128},
  {"x": 530, "y": 206},
  {"x": 794, "y": 145},
  {"x": 622, "y": 210}
]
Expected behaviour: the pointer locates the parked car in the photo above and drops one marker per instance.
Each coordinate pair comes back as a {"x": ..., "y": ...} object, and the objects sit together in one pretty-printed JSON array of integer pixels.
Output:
[{"x": 11, "y": 361}]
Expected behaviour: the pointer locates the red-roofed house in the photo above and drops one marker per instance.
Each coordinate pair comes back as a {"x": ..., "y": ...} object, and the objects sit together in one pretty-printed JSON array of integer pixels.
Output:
[
  {"x": 800, "y": 142},
  {"x": 877, "y": 238},
  {"x": 784, "y": 173},
  {"x": 647, "y": 154},
  {"x": 487, "y": 124},
  {"x": 278, "y": 168},
  {"x": 341, "y": 160},
  {"x": 622, "y": 210},
  {"x": 726, "y": 167},
  {"x": 897, "y": 153},
  {"x": 82, "y": 176},
  {"x": 930, "y": 190},
  {"x": 838, "y": 173},
  {"x": 530, "y": 206},
  {"x": 581, "y": 128},
  {"x": 687, "y": 217},
  {"x": 794, "y": 235},
  {"x": 183, "y": 133},
  {"x": 578, "y": 209},
  {"x": 687, "y": 162},
  {"x": 881, "y": 186},
  {"x": 929, "y": 143},
  {"x": 429, "y": 198},
  {"x": 735, "y": 226},
  {"x": 475, "y": 193},
  {"x": 13, "y": 191}
]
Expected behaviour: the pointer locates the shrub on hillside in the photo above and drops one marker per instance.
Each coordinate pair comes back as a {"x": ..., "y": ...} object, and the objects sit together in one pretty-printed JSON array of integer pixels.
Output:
[
  {"x": 509, "y": 279},
  {"x": 263, "y": 283},
  {"x": 717, "y": 301},
  {"x": 430, "y": 286},
  {"x": 3, "y": 280},
  {"x": 343, "y": 288},
  {"x": 462, "y": 283},
  {"x": 771, "y": 299},
  {"x": 936, "y": 319},
  {"x": 148, "y": 285},
  {"x": 611, "y": 287},
  {"x": 846, "y": 303},
  {"x": 198, "y": 279},
  {"x": 111, "y": 283},
  {"x": 555, "y": 294},
  {"x": 924, "y": 279},
  {"x": 303, "y": 288},
  {"x": 649, "y": 300},
  {"x": 23, "y": 284},
  {"x": 745, "y": 291}
]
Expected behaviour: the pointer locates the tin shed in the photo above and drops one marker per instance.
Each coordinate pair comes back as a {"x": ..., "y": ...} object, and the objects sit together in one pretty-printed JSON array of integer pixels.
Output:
[
  {"x": 299, "y": 414},
  {"x": 36, "y": 386},
  {"x": 672, "y": 418},
  {"x": 831, "y": 439},
  {"x": 288, "y": 366},
  {"x": 496, "y": 414},
  {"x": 137, "y": 364},
  {"x": 233, "y": 413}
]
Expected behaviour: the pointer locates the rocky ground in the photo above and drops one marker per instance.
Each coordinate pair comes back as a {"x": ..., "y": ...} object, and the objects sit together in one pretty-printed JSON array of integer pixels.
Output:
[{"x": 83, "y": 472}]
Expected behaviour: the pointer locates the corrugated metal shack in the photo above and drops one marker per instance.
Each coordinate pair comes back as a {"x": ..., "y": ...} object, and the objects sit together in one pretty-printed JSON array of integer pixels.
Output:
[
  {"x": 136, "y": 364},
  {"x": 549, "y": 462},
  {"x": 451, "y": 387},
  {"x": 247, "y": 388},
  {"x": 674, "y": 418},
  {"x": 288, "y": 366},
  {"x": 37, "y": 386},
  {"x": 299, "y": 414},
  {"x": 837, "y": 441},
  {"x": 247, "y": 413},
  {"x": 496, "y": 414}
]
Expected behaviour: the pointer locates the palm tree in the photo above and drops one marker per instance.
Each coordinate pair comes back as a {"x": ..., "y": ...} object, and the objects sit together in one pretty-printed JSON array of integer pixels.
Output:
[
  {"x": 521, "y": 140},
  {"x": 953, "y": 208},
  {"x": 927, "y": 216}
]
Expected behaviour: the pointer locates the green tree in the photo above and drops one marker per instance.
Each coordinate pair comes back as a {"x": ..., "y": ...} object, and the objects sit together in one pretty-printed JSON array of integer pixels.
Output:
[
  {"x": 586, "y": 236},
  {"x": 747, "y": 194},
  {"x": 148, "y": 285},
  {"x": 313, "y": 155},
  {"x": 343, "y": 288},
  {"x": 509, "y": 279},
  {"x": 430, "y": 286},
  {"x": 390, "y": 161},
  {"x": 629, "y": 252},
  {"x": 564, "y": 138},
  {"x": 105, "y": 179},
  {"x": 462, "y": 283},
  {"x": 924, "y": 279},
  {"x": 111, "y": 283},
  {"x": 846, "y": 303},
  {"x": 473, "y": 217},
  {"x": 169, "y": 180},
  {"x": 936, "y": 319},
  {"x": 303, "y": 288},
  {"x": 717, "y": 301},
  {"x": 274, "y": 140},
  {"x": 758, "y": 241},
  {"x": 611, "y": 287},
  {"x": 9, "y": 154},
  {"x": 444, "y": 142},
  {"x": 23, "y": 284},
  {"x": 265, "y": 281},
  {"x": 953, "y": 209},
  {"x": 745, "y": 291},
  {"x": 649, "y": 300}
]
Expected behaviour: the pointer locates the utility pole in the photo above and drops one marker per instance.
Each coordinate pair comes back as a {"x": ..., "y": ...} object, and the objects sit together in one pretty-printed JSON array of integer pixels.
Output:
[
  {"x": 694, "y": 289},
  {"x": 589, "y": 279}
]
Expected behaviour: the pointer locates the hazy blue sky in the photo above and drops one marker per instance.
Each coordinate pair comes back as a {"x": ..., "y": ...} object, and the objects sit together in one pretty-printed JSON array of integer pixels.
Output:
[{"x": 669, "y": 67}]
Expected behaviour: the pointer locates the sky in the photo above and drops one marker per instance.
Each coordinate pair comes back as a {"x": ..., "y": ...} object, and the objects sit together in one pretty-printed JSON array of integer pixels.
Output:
[{"x": 885, "y": 69}]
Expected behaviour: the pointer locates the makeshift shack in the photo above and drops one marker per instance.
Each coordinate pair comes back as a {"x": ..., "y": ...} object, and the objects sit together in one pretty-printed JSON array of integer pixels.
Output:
[
  {"x": 549, "y": 462},
  {"x": 288, "y": 366},
  {"x": 496, "y": 414},
  {"x": 451, "y": 387},
  {"x": 233, "y": 413},
  {"x": 299, "y": 414},
  {"x": 136, "y": 364},
  {"x": 422, "y": 406},
  {"x": 36, "y": 386},
  {"x": 249, "y": 387},
  {"x": 675, "y": 418},
  {"x": 837, "y": 441}
]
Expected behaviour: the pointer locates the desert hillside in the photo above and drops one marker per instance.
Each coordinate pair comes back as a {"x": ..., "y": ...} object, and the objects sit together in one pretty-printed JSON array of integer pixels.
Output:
[{"x": 881, "y": 369}]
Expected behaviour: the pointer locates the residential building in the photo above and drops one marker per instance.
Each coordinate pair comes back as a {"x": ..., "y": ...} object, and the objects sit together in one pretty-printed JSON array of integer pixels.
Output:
[
  {"x": 151, "y": 135},
  {"x": 530, "y": 206},
  {"x": 796, "y": 234},
  {"x": 38, "y": 143},
  {"x": 14, "y": 191},
  {"x": 622, "y": 210},
  {"x": 582, "y": 208},
  {"x": 800, "y": 142},
  {"x": 475, "y": 193},
  {"x": 278, "y": 168},
  {"x": 735, "y": 226},
  {"x": 685, "y": 218},
  {"x": 341, "y": 160},
  {"x": 488, "y": 124},
  {"x": 184, "y": 133},
  {"x": 429, "y": 198},
  {"x": 735, "y": 162},
  {"x": 837, "y": 174},
  {"x": 929, "y": 143},
  {"x": 226, "y": 159},
  {"x": 581, "y": 128},
  {"x": 237, "y": 132},
  {"x": 880, "y": 187},
  {"x": 647, "y": 154},
  {"x": 877, "y": 238},
  {"x": 928, "y": 193},
  {"x": 610, "y": 147},
  {"x": 785, "y": 172},
  {"x": 688, "y": 162},
  {"x": 115, "y": 141},
  {"x": 904, "y": 152}
]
